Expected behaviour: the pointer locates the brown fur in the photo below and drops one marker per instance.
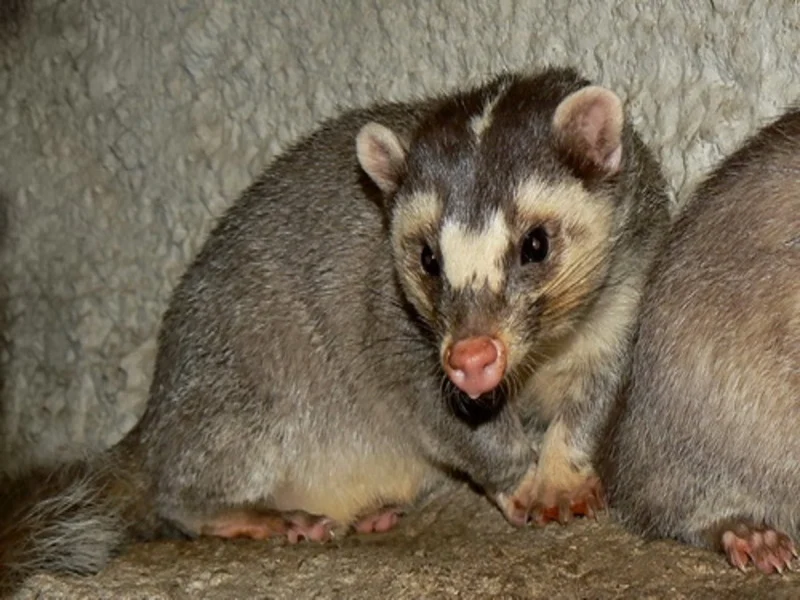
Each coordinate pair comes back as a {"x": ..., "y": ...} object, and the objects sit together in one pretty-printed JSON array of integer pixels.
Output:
[
  {"x": 709, "y": 433},
  {"x": 298, "y": 380},
  {"x": 573, "y": 167}
]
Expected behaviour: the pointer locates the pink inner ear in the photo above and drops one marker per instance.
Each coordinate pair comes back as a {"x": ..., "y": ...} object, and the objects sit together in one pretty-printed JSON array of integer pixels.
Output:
[
  {"x": 378, "y": 159},
  {"x": 590, "y": 122},
  {"x": 614, "y": 160},
  {"x": 602, "y": 133},
  {"x": 381, "y": 156}
]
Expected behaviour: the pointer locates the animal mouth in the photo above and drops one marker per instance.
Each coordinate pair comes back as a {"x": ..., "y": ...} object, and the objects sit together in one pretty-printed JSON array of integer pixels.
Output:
[{"x": 475, "y": 410}]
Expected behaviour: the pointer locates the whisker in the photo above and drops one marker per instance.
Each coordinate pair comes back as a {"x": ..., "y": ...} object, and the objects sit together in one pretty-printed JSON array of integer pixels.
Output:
[{"x": 589, "y": 262}]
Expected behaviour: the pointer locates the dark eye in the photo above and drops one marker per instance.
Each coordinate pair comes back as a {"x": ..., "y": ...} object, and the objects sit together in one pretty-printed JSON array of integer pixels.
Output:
[
  {"x": 535, "y": 246},
  {"x": 429, "y": 262}
]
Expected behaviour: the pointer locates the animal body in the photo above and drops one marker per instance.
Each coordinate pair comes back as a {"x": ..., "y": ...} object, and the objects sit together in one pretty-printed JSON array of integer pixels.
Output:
[
  {"x": 439, "y": 288},
  {"x": 707, "y": 449}
]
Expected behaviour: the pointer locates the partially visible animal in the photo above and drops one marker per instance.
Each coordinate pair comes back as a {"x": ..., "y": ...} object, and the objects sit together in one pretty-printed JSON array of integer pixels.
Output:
[
  {"x": 440, "y": 288},
  {"x": 707, "y": 447}
]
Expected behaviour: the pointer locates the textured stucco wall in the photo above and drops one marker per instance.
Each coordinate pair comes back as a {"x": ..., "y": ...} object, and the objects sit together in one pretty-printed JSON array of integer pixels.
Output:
[{"x": 126, "y": 126}]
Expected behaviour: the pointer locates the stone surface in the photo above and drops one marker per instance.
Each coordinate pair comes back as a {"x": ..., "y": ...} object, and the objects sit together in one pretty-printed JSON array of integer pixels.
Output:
[
  {"x": 127, "y": 126},
  {"x": 458, "y": 547}
]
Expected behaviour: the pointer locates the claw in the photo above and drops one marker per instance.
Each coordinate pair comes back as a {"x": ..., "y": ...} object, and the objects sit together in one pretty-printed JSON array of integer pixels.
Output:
[
  {"x": 319, "y": 530},
  {"x": 587, "y": 501},
  {"x": 768, "y": 550}
]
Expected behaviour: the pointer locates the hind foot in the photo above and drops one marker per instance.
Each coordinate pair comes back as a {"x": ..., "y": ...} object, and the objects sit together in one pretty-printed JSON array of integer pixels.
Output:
[
  {"x": 769, "y": 550},
  {"x": 261, "y": 526},
  {"x": 313, "y": 529},
  {"x": 379, "y": 522}
]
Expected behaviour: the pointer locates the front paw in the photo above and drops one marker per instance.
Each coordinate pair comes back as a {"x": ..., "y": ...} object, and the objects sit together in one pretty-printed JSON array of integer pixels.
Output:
[
  {"x": 514, "y": 508},
  {"x": 540, "y": 502},
  {"x": 584, "y": 498},
  {"x": 516, "y": 504}
]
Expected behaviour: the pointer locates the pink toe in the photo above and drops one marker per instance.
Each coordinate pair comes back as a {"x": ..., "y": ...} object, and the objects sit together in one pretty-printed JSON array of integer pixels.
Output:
[
  {"x": 378, "y": 523},
  {"x": 385, "y": 522}
]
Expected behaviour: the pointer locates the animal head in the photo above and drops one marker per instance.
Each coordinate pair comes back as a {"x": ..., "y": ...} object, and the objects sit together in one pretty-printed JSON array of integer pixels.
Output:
[{"x": 502, "y": 208}]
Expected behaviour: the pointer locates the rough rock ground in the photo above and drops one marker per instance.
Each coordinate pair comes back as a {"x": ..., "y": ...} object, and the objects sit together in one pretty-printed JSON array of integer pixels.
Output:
[
  {"x": 457, "y": 547},
  {"x": 127, "y": 126}
]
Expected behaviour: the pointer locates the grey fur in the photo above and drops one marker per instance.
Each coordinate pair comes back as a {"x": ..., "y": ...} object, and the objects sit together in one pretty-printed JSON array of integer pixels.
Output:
[
  {"x": 293, "y": 371},
  {"x": 69, "y": 541},
  {"x": 708, "y": 439},
  {"x": 70, "y": 519}
]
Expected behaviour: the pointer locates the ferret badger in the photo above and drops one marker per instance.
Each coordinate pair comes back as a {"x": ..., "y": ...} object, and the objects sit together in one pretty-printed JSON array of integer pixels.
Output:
[{"x": 447, "y": 286}]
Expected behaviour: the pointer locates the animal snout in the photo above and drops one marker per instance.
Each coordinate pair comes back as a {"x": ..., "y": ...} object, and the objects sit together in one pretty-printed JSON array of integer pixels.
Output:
[{"x": 476, "y": 365}]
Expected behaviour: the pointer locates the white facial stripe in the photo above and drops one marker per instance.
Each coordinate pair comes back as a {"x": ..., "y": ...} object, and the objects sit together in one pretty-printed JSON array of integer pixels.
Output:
[
  {"x": 569, "y": 202},
  {"x": 482, "y": 122},
  {"x": 414, "y": 214},
  {"x": 475, "y": 258}
]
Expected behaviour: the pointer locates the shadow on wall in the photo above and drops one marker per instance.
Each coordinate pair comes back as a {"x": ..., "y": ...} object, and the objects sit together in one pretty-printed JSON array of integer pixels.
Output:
[
  {"x": 12, "y": 17},
  {"x": 5, "y": 341}
]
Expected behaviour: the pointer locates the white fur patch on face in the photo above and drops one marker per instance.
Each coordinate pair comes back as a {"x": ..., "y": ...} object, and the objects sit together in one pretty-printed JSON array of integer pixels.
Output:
[
  {"x": 480, "y": 123},
  {"x": 415, "y": 214},
  {"x": 475, "y": 258},
  {"x": 571, "y": 204}
]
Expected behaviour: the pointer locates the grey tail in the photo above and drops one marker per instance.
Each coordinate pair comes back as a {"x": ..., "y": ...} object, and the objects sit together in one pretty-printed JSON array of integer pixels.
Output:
[{"x": 71, "y": 518}]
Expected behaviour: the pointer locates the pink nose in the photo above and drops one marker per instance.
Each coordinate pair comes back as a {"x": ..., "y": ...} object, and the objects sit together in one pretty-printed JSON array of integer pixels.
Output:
[{"x": 476, "y": 365}]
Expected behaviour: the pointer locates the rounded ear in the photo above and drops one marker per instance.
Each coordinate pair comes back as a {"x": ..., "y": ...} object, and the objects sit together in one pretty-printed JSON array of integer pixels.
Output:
[
  {"x": 382, "y": 155},
  {"x": 588, "y": 127}
]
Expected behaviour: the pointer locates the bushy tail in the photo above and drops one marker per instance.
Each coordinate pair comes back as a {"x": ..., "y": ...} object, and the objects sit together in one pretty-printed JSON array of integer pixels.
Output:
[{"x": 73, "y": 518}]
